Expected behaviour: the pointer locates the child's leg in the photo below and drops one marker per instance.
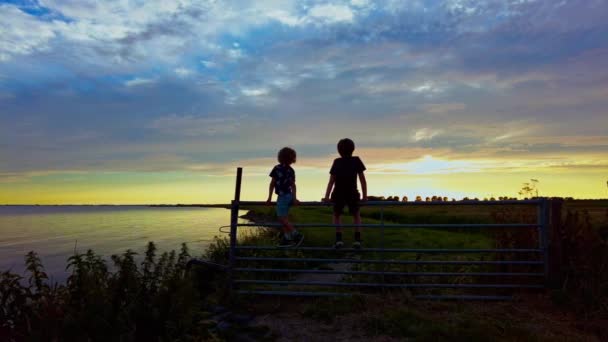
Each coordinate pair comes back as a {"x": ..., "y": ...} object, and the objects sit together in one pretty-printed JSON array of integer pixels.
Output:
[
  {"x": 357, "y": 222},
  {"x": 353, "y": 206},
  {"x": 287, "y": 227},
  {"x": 337, "y": 221},
  {"x": 283, "y": 205}
]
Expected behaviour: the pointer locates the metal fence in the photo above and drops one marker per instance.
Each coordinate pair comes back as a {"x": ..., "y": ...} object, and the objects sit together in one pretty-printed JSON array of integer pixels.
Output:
[{"x": 248, "y": 280}]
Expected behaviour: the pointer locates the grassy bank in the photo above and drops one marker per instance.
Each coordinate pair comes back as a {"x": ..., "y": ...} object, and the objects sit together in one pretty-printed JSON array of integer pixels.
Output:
[{"x": 160, "y": 298}]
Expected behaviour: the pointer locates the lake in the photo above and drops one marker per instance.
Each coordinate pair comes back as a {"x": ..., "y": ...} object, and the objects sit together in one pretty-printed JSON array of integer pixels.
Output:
[{"x": 55, "y": 232}]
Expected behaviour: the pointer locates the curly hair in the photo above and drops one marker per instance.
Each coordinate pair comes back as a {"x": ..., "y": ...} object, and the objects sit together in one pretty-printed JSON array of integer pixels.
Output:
[
  {"x": 346, "y": 147},
  {"x": 287, "y": 156}
]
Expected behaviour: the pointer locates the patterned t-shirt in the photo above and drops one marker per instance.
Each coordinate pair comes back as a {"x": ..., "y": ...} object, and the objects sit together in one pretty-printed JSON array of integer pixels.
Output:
[{"x": 285, "y": 178}]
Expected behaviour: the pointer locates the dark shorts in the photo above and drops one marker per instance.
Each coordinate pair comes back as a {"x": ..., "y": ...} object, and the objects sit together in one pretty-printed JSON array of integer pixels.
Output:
[{"x": 340, "y": 200}]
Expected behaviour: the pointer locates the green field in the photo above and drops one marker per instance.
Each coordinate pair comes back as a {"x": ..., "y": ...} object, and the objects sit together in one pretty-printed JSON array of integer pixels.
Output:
[
  {"x": 416, "y": 238},
  {"x": 394, "y": 237},
  {"x": 393, "y": 312},
  {"x": 421, "y": 237}
]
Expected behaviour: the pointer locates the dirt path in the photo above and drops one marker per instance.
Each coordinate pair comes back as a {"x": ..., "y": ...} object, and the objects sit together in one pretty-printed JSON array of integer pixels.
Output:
[
  {"x": 329, "y": 277},
  {"x": 529, "y": 318}
]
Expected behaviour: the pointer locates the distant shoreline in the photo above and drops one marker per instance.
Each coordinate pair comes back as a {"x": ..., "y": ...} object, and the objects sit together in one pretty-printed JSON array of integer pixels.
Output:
[{"x": 225, "y": 206}]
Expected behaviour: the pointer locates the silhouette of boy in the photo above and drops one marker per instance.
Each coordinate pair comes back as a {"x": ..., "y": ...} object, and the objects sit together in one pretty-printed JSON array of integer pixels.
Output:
[
  {"x": 284, "y": 184},
  {"x": 343, "y": 181}
]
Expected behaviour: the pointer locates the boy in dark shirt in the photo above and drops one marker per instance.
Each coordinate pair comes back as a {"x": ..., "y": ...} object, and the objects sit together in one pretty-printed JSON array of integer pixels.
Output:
[
  {"x": 284, "y": 184},
  {"x": 343, "y": 181}
]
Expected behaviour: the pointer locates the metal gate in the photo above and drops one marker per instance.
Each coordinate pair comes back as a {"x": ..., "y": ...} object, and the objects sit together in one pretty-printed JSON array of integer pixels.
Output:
[{"x": 253, "y": 279}]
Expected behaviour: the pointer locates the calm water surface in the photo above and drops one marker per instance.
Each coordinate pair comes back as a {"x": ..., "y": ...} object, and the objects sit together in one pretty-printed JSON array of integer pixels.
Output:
[{"x": 55, "y": 232}]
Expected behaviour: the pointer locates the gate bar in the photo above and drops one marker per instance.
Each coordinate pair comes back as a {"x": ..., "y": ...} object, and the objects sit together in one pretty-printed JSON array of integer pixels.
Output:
[
  {"x": 335, "y": 283},
  {"x": 402, "y": 250},
  {"x": 338, "y": 294},
  {"x": 402, "y": 262},
  {"x": 405, "y": 225},
  {"x": 413, "y": 274}
]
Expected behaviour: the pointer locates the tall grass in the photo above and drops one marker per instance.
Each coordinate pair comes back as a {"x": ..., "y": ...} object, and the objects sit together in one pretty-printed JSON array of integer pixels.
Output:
[
  {"x": 155, "y": 299},
  {"x": 582, "y": 271},
  {"x": 584, "y": 259}
]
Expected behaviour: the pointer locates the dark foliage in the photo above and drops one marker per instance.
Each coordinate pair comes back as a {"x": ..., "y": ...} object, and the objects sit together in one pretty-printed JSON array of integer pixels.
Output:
[
  {"x": 585, "y": 264},
  {"x": 152, "y": 300}
]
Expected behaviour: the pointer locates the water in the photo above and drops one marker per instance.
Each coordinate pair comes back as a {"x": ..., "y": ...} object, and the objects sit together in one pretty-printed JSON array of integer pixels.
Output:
[{"x": 55, "y": 232}]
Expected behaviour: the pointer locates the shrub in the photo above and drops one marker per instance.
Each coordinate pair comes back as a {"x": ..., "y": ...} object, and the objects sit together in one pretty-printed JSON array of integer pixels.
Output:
[
  {"x": 585, "y": 263},
  {"x": 153, "y": 300}
]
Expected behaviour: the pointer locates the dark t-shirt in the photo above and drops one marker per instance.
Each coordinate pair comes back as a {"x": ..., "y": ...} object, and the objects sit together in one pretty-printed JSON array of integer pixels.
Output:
[
  {"x": 346, "y": 170},
  {"x": 285, "y": 177}
]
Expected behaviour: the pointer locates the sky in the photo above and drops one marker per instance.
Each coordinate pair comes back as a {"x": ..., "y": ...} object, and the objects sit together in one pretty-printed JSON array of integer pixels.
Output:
[{"x": 158, "y": 101}]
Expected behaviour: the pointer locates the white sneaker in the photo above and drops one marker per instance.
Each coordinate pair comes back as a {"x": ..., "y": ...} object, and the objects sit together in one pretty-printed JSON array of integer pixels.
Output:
[{"x": 338, "y": 244}]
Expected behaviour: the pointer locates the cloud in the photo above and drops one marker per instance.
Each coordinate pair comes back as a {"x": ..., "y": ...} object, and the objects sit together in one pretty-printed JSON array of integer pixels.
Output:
[
  {"x": 22, "y": 34},
  {"x": 442, "y": 108},
  {"x": 183, "y": 72},
  {"x": 427, "y": 88},
  {"x": 195, "y": 125},
  {"x": 139, "y": 81},
  {"x": 425, "y": 134},
  {"x": 208, "y": 64},
  {"x": 455, "y": 80},
  {"x": 255, "y": 91},
  {"x": 328, "y": 13}
]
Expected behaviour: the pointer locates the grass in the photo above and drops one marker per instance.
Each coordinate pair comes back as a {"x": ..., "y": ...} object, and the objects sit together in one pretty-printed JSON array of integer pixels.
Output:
[
  {"x": 582, "y": 297},
  {"x": 157, "y": 299},
  {"x": 393, "y": 237},
  {"x": 417, "y": 238},
  {"x": 394, "y": 316}
]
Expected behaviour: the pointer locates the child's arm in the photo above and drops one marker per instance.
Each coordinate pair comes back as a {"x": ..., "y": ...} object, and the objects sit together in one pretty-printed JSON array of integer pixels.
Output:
[
  {"x": 330, "y": 185},
  {"x": 271, "y": 190},
  {"x": 363, "y": 186}
]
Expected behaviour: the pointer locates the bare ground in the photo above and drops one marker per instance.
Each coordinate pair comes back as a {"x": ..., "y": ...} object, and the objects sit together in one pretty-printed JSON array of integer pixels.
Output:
[{"x": 531, "y": 317}]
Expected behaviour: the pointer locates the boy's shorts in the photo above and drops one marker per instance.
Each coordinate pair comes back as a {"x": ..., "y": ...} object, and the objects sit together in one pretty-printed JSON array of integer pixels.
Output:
[
  {"x": 284, "y": 202},
  {"x": 351, "y": 200}
]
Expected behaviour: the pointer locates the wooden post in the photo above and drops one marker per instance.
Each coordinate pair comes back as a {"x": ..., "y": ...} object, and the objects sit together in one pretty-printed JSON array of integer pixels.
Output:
[
  {"x": 555, "y": 277},
  {"x": 234, "y": 217}
]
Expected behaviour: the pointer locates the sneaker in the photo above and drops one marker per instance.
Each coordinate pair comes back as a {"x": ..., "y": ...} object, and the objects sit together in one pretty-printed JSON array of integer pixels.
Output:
[
  {"x": 286, "y": 243},
  {"x": 297, "y": 239},
  {"x": 357, "y": 245},
  {"x": 338, "y": 244}
]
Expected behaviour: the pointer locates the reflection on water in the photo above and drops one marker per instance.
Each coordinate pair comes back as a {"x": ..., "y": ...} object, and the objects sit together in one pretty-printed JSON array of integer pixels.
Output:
[{"x": 55, "y": 232}]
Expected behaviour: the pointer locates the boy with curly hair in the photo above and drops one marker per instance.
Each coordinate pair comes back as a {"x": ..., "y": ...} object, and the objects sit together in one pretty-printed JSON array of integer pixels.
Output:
[{"x": 283, "y": 183}]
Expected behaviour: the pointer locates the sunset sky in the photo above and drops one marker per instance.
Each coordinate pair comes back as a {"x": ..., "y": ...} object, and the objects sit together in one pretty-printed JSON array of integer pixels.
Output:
[{"x": 159, "y": 101}]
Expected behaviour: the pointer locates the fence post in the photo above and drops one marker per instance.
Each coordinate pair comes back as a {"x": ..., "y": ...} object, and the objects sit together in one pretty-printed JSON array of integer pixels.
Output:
[
  {"x": 234, "y": 217},
  {"x": 382, "y": 243},
  {"x": 545, "y": 238},
  {"x": 555, "y": 243}
]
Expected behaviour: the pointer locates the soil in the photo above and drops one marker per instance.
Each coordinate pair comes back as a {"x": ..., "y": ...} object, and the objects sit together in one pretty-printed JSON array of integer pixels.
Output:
[{"x": 533, "y": 314}]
